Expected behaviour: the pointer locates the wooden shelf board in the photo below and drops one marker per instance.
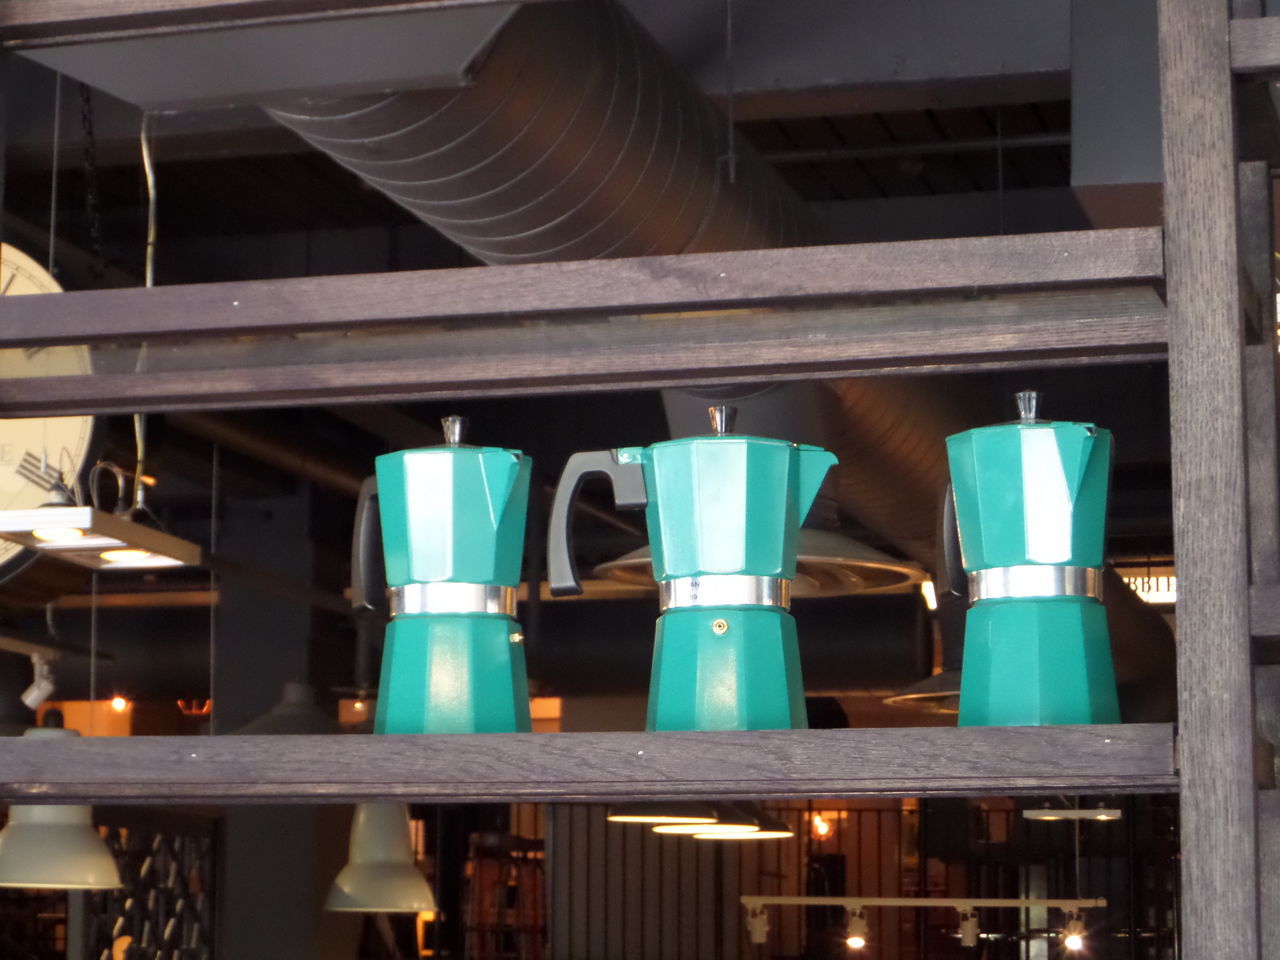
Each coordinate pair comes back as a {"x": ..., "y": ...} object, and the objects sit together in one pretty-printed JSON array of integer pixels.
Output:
[
  {"x": 593, "y": 766},
  {"x": 1255, "y": 45},
  {"x": 1264, "y": 611},
  {"x": 681, "y": 284},
  {"x": 645, "y": 323}
]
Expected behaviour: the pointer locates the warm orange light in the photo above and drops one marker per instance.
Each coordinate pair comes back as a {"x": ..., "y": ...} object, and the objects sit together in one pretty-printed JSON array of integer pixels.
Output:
[
  {"x": 745, "y": 835},
  {"x": 358, "y": 706},
  {"x": 1073, "y": 941},
  {"x": 424, "y": 917},
  {"x": 855, "y": 943},
  {"x": 705, "y": 828},
  {"x": 119, "y": 704},
  {"x": 126, "y": 555},
  {"x": 822, "y": 827},
  {"x": 58, "y": 534}
]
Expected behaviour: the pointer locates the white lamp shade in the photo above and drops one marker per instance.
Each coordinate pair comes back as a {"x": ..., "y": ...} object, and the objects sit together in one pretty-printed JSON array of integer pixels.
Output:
[
  {"x": 380, "y": 876},
  {"x": 54, "y": 847}
]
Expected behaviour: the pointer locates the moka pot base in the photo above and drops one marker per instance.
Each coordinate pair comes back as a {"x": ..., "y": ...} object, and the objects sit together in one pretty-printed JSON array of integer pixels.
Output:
[
  {"x": 1030, "y": 501},
  {"x": 453, "y": 673},
  {"x": 726, "y": 668},
  {"x": 1032, "y": 661}
]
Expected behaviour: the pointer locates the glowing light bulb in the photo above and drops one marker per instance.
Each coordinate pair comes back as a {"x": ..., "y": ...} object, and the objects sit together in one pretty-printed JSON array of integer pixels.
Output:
[
  {"x": 125, "y": 555},
  {"x": 821, "y": 826},
  {"x": 358, "y": 706},
  {"x": 58, "y": 534},
  {"x": 119, "y": 704},
  {"x": 1073, "y": 932},
  {"x": 856, "y": 930}
]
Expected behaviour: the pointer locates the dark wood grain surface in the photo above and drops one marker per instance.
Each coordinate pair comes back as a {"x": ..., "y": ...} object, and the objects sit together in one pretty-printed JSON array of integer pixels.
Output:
[
  {"x": 1255, "y": 45},
  {"x": 585, "y": 353},
  {"x": 1264, "y": 611},
  {"x": 1264, "y": 463},
  {"x": 1269, "y": 869},
  {"x": 1215, "y": 702},
  {"x": 1260, "y": 373},
  {"x": 1257, "y": 250},
  {"x": 592, "y": 766},
  {"x": 691, "y": 282}
]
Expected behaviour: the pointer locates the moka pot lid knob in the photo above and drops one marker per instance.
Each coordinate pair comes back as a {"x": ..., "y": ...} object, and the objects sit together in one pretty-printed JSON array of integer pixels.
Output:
[
  {"x": 453, "y": 428},
  {"x": 1028, "y": 405},
  {"x": 722, "y": 416}
]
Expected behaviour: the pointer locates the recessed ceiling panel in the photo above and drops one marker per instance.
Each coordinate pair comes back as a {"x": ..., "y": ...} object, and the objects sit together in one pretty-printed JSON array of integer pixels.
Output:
[{"x": 215, "y": 68}]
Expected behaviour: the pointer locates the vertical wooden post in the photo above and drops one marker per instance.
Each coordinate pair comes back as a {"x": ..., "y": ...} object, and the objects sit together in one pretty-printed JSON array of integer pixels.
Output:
[
  {"x": 6, "y": 91},
  {"x": 1215, "y": 699},
  {"x": 1257, "y": 256}
]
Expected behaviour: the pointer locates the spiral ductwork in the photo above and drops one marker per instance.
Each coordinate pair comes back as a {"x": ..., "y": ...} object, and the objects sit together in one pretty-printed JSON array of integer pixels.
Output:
[{"x": 578, "y": 139}]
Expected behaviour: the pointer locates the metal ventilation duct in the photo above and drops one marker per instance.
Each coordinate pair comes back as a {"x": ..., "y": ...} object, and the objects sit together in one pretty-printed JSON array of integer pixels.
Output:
[{"x": 578, "y": 139}]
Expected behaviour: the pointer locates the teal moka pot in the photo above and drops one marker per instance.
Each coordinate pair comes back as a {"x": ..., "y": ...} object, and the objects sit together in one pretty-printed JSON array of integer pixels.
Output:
[
  {"x": 452, "y": 523},
  {"x": 1030, "y": 501},
  {"x": 723, "y": 512}
]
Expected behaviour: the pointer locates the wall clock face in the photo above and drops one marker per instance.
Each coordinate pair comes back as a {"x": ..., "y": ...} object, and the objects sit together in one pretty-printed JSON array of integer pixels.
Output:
[{"x": 35, "y": 452}]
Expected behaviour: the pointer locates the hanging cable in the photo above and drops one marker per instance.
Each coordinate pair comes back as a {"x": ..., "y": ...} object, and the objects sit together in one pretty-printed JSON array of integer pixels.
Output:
[
  {"x": 149, "y": 273},
  {"x": 53, "y": 176},
  {"x": 1077, "y": 845},
  {"x": 139, "y": 471},
  {"x": 214, "y": 484},
  {"x": 93, "y": 648},
  {"x": 728, "y": 85},
  {"x": 149, "y": 171},
  {"x": 91, "y": 199}
]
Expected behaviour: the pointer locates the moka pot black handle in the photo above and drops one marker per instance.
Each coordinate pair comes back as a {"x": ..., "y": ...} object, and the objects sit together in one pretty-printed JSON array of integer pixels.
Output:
[
  {"x": 951, "y": 578},
  {"x": 368, "y": 571},
  {"x": 629, "y": 493}
]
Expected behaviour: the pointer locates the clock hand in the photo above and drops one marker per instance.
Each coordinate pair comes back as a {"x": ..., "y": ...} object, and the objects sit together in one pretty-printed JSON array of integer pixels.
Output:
[{"x": 9, "y": 283}]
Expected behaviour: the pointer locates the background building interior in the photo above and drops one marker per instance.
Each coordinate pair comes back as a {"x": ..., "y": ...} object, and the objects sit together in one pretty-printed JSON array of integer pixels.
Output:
[{"x": 877, "y": 121}]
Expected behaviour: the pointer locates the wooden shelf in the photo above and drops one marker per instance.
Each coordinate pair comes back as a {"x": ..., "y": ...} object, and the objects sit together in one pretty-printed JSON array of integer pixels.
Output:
[
  {"x": 1264, "y": 611},
  {"x": 1255, "y": 45},
  {"x": 594, "y": 766},
  {"x": 642, "y": 323}
]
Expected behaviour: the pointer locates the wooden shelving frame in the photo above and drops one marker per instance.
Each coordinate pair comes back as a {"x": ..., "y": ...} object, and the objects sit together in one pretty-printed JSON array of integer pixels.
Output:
[
  {"x": 1085, "y": 296},
  {"x": 1124, "y": 758},
  {"x": 1215, "y": 268}
]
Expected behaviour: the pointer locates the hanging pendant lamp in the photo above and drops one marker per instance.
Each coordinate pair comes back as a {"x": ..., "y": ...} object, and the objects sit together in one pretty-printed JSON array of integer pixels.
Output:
[
  {"x": 765, "y": 827},
  {"x": 52, "y": 846},
  {"x": 659, "y": 811},
  {"x": 380, "y": 875}
]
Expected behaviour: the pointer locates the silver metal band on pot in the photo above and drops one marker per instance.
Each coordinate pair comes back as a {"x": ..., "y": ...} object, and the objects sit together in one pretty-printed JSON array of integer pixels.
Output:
[
  {"x": 724, "y": 590},
  {"x": 447, "y": 597},
  {"x": 1035, "y": 580}
]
